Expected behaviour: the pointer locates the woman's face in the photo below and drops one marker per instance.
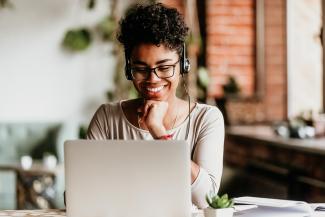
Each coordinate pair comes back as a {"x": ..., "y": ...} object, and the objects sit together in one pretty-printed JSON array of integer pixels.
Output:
[{"x": 148, "y": 56}]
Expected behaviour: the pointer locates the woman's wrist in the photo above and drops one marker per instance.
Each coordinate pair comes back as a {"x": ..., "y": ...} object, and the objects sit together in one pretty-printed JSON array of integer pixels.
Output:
[
  {"x": 160, "y": 133},
  {"x": 166, "y": 137},
  {"x": 157, "y": 132}
]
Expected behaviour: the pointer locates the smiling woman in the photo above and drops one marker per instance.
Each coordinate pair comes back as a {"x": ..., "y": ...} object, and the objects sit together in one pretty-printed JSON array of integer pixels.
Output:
[
  {"x": 160, "y": 85},
  {"x": 153, "y": 37}
]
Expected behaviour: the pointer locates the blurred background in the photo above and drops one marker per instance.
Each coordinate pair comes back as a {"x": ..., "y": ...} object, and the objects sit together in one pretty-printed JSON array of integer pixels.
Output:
[{"x": 260, "y": 61}]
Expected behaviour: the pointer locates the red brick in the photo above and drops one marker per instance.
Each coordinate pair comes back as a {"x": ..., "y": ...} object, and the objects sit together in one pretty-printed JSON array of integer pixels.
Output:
[
  {"x": 277, "y": 70},
  {"x": 214, "y": 72},
  {"x": 231, "y": 50},
  {"x": 276, "y": 60},
  {"x": 231, "y": 30},
  {"x": 242, "y": 60},
  {"x": 274, "y": 3},
  {"x": 272, "y": 31},
  {"x": 227, "y": 10},
  {"x": 273, "y": 41},
  {"x": 222, "y": 40},
  {"x": 275, "y": 50},
  {"x": 248, "y": 68},
  {"x": 232, "y": 20},
  {"x": 278, "y": 14},
  {"x": 216, "y": 3}
]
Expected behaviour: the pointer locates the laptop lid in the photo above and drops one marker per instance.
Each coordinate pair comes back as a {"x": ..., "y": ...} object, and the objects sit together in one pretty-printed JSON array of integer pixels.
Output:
[{"x": 127, "y": 178}]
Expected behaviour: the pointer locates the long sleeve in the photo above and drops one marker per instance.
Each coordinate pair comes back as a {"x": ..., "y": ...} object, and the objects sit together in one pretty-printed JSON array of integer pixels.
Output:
[{"x": 209, "y": 156}]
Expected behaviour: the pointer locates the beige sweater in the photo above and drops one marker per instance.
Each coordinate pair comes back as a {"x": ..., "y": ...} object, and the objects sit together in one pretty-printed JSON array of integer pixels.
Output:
[{"x": 206, "y": 133}]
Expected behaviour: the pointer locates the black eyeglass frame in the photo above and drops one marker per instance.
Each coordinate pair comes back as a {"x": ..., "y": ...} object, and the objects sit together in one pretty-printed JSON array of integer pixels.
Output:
[{"x": 149, "y": 70}]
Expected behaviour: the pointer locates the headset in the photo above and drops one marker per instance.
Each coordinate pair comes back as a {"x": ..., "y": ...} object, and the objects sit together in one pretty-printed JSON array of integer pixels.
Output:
[
  {"x": 185, "y": 62},
  {"x": 185, "y": 65}
]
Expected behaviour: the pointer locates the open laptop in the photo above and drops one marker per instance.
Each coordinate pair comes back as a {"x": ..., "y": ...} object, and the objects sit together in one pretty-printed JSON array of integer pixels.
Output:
[{"x": 119, "y": 178}]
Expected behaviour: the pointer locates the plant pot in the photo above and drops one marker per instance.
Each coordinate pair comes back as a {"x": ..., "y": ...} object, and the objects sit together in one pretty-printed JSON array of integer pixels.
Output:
[{"x": 224, "y": 212}]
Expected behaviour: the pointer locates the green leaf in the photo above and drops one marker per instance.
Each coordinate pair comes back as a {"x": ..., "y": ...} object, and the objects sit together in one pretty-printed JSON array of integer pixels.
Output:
[
  {"x": 203, "y": 77},
  {"x": 217, "y": 202},
  {"x": 77, "y": 39},
  {"x": 106, "y": 28}
]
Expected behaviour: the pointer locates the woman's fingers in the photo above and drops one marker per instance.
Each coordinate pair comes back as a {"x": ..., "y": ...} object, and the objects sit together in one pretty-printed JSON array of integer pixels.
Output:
[
  {"x": 153, "y": 112},
  {"x": 146, "y": 109}
]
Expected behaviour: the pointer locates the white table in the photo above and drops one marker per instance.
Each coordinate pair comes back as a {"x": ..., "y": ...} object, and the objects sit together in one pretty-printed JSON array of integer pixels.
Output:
[{"x": 62, "y": 213}]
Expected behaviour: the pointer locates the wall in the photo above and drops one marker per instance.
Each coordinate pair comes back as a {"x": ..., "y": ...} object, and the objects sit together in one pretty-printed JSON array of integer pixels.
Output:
[
  {"x": 39, "y": 81},
  {"x": 231, "y": 44},
  {"x": 231, "y": 50},
  {"x": 305, "y": 56},
  {"x": 275, "y": 97}
]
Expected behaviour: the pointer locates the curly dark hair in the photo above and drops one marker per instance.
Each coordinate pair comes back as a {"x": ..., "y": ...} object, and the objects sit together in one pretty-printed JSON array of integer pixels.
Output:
[{"x": 152, "y": 23}]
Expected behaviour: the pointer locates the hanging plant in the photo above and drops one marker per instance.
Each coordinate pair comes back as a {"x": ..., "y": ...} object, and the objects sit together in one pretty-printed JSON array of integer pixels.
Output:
[
  {"x": 6, "y": 4},
  {"x": 77, "y": 39},
  {"x": 91, "y": 4},
  {"x": 106, "y": 28}
]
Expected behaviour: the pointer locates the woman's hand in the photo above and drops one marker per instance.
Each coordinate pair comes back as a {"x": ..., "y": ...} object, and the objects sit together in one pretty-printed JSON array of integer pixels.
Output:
[{"x": 153, "y": 114}]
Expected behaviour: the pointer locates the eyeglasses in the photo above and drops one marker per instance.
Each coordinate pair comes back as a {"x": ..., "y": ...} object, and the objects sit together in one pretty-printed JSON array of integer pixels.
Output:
[{"x": 163, "y": 71}]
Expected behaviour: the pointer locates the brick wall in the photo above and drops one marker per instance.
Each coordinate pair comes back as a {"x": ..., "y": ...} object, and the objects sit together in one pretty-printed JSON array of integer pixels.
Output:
[
  {"x": 179, "y": 4},
  {"x": 231, "y": 44},
  {"x": 275, "y": 99},
  {"x": 231, "y": 50}
]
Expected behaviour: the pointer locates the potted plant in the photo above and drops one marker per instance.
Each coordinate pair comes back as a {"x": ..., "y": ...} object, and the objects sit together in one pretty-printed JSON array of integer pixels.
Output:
[{"x": 219, "y": 206}]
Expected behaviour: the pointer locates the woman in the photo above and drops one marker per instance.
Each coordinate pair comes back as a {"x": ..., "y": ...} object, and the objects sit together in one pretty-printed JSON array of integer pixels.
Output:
[{"x": 153, "y": 37}]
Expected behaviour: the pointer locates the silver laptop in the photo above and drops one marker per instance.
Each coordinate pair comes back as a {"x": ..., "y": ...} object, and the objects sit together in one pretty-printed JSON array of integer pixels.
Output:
[{"x": 118, "y": 178}]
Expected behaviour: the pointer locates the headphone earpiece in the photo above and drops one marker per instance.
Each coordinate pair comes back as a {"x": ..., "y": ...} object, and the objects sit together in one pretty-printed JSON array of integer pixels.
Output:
[
  {"x": 187, "y": 66},
  {"x": 185, "y": 63}
]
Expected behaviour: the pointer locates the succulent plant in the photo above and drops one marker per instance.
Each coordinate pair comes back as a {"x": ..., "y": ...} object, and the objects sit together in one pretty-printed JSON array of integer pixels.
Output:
[{"x": 217, "y": 202}]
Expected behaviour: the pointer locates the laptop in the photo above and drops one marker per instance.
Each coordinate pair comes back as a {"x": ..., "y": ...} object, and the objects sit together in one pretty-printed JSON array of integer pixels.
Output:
[{"x": 127, "y": 178}]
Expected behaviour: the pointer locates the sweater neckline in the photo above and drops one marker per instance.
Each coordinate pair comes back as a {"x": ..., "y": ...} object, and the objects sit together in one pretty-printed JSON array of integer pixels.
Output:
[{"x": 146, "y": 131}]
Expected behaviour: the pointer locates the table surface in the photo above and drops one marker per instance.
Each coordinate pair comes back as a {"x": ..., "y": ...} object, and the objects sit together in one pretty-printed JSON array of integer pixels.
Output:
[
  {"x": 33, "y": 213},
  {"x": 49, "y": 213},
  {"x": 266, "y": 133},
  {"x": 61, "y": 213}
]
